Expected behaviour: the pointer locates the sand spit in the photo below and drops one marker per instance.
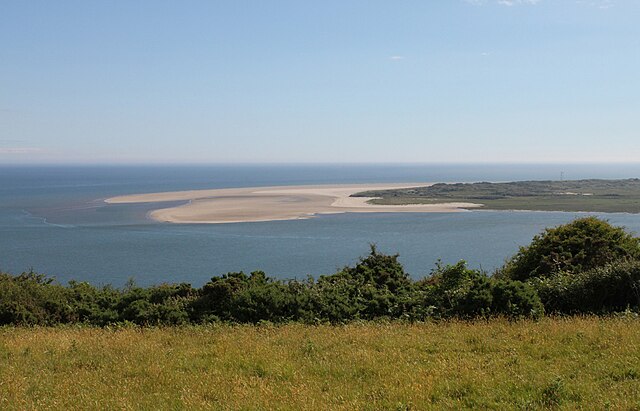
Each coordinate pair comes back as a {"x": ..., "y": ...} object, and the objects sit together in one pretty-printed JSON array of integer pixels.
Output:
[{"x": 254, "y": 204}]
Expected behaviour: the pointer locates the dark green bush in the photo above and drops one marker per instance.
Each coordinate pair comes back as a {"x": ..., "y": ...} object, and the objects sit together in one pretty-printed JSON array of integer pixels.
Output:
[
  {"x": 375, "y": 287},
  {"x": 33, "y": 299},
  {"x": 579, "y": 246},
  {"x": 250, "y": 298},
  {"x": 614, "y": 287},
  {"x": 516, "y": 299},
  {"x": 455, "y": 290}
]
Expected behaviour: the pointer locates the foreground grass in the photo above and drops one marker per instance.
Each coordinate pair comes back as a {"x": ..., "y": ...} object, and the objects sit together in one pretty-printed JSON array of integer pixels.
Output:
[{"x": 589, "y": 363}]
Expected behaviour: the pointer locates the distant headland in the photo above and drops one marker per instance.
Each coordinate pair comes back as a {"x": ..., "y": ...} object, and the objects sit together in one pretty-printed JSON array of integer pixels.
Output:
[{"x": 595, "y": 195}]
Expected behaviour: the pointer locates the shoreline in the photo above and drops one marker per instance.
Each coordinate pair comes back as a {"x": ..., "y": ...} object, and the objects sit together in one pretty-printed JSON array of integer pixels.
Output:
[{"x": 276, "y": 203}]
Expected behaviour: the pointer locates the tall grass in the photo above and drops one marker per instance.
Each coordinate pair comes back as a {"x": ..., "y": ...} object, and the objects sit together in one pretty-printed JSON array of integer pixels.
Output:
[{"x": 590, "y": 363}]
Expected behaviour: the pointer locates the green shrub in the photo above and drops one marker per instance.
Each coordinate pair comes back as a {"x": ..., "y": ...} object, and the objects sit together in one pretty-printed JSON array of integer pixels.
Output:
[
  {"x": 581, "y": 245},
  {"x": 614, "y": 287},
  {"x": 238, "y": 297},
  {"x": 33, "y": 299},
  {"x": 455, "y": 290},
  {"x": 516, "y": 299}
]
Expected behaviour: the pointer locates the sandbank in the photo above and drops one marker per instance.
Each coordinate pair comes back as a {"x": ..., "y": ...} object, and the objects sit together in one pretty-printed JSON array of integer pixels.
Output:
[{"x": 253, "y": 204}]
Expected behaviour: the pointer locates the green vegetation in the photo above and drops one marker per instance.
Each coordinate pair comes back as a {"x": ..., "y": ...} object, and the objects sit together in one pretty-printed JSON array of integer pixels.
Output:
[
  {"x": 577, "y": 195},
  {"x": 610, "y": 288},
  {"x": 553, "y": 363},
  {"x": 375, "y": 288},
  {"x": 572, "y": 248},
  {"x": 586, "y": 266}
]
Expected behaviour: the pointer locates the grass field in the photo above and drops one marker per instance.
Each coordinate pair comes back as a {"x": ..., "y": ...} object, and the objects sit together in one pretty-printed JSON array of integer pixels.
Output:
[{"x": 589, "y": 363}]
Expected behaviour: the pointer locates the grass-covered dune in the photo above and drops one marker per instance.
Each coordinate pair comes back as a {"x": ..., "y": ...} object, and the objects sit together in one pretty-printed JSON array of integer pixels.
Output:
[
  {"x": 613, "y": 196},
  {"x": 570, "y": 363}
]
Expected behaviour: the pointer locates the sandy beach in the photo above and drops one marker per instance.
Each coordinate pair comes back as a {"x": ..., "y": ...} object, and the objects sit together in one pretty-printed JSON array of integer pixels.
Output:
[{"x": 255, "y": 204}]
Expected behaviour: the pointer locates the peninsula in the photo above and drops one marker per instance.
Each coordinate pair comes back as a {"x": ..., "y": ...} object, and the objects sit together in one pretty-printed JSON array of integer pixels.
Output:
[
  {"x": 610, "y": 196},
  {"x": 254, "y": 204}
]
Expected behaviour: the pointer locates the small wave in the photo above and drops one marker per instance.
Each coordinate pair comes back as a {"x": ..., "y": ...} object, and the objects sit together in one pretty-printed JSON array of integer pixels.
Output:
[
  {"x": 26, "y": 214},
  {"x": 44, "y": 221}
]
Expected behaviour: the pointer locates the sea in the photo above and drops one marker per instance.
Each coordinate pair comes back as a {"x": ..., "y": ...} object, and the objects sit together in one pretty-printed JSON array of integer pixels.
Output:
[{"x": 53, "y": 220}]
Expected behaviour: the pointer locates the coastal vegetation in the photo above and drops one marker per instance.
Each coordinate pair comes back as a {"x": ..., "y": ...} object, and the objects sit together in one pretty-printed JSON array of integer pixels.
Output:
[
  {"x": 611, "y": 196},
  {"x": 573, "y": 248},
  {"x": 584, "y": 267}
]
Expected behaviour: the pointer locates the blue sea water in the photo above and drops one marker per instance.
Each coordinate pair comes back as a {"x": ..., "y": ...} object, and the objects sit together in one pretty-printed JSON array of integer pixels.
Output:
[{"x": 53, "y": 220}]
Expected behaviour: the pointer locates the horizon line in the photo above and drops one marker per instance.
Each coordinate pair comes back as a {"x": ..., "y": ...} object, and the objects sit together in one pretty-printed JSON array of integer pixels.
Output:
[{"x": 318, "y": 163}]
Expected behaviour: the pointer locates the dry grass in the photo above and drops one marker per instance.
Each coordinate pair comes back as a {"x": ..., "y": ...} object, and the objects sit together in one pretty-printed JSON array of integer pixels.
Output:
[{"x": 588, "y": 363}]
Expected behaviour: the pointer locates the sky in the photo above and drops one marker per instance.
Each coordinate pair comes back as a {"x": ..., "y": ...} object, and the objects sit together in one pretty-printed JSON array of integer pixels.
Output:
[{"x": 337, "y": 81}]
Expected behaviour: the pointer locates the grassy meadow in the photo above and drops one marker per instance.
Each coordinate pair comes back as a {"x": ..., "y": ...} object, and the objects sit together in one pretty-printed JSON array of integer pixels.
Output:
[{"x": 566, "y": 363}]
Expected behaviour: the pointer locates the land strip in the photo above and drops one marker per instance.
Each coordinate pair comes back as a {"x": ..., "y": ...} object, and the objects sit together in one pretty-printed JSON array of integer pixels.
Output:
[{"x": 610, "y": 196}]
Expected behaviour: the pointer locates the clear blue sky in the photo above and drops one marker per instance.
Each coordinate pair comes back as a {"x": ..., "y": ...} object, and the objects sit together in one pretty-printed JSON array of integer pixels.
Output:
[{"x": 319, "y": 81}]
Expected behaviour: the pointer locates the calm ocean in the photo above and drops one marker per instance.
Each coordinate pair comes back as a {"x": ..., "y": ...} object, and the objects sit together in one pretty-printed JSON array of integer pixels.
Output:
[{"x": 53, "y": 220}]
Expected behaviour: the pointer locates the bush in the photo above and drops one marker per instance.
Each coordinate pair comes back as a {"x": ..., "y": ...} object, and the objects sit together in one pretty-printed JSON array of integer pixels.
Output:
[
  {"x": 455, "y": 290},
  {"x": 614, "y": 287},
  {"x": 516, "y": 299},
  {"x": 579, "y": 246},
  {"x": 33, "y": 299},
  {"x": 376, "y": 287},
  {"x": 238, "y": 297}
]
